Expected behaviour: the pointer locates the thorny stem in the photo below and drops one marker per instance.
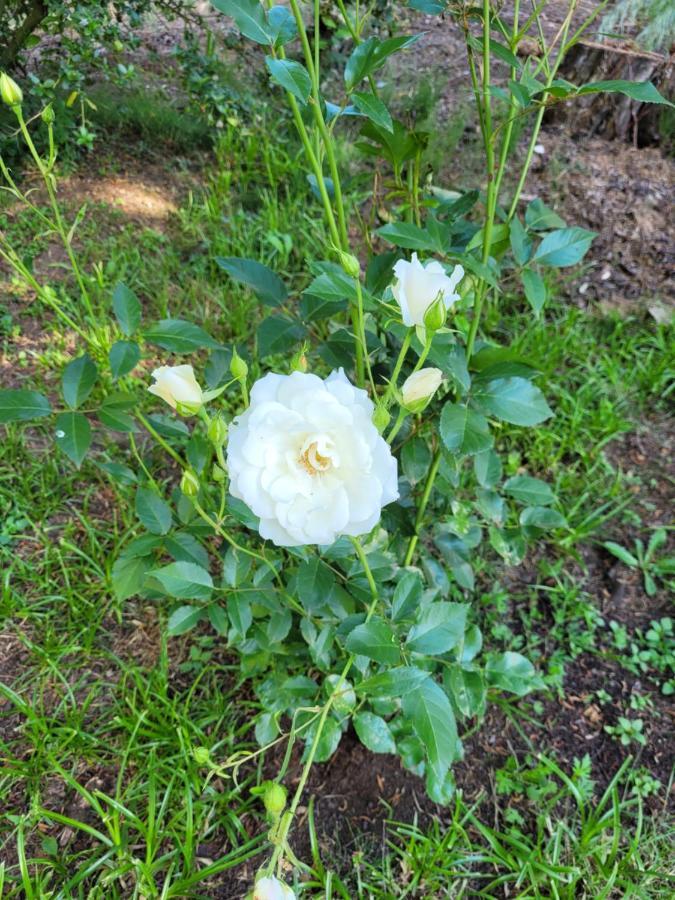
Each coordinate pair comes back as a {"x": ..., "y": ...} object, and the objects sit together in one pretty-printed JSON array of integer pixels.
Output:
[
  {"x": 60, "y": 226},
  {"x": 281, "y": 837},
  {"x": 490, "y": 165}
]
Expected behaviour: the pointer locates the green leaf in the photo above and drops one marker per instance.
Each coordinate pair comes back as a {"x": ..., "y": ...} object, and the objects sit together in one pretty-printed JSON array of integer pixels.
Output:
[
  {"x": 120, "y": 473},
  {"x": 180, "y": 336},
  {"x": 184, "y": 581},
  {"x": 521, "y": 244},
  {"x": 327, "y": 744},
  {"x": 541, "y": 518},
  {"x": 217, "y": 618},
  {"x": 239, "y": 613},
  {"x": 184, "y": 619},
  {"x": 123, "y": 357},
  {"x": 21, "y": 405},
  {"x": 153, "y": 512},
  {"x": 315, "y": 582},
  {"x": 535, "y": 289},
  {"x": 113, "y": 414},
  {"x": 540, "y": 217},
  {"x": 407, "y": 235},
  {"x": 429, "y": 710},
  {"x": 249, "y": 17},
  {"x": 278, "y": 334},
  {"x": 488, "y": 468},
  {"x": 371, "y": 55},
  {"x": 621, "y": 553},
  {"x": 73, "y": 435},
  {"x": 512, "y": 672},
  {"x": 529, "y": 490},
  {"x": 127, "y": 308},
  {"x": 644, "y": 91},
  {"x": 395, "y": 683},
  {"x": 291, "y": 76},
  {"x": 128, "y": 575},
  {"x": 374, "y": 108},
  {"x": 515, "y": 400},
  {"x": 185, "y": 547},
  {"x": 407, "y": 596},
  {"x": 265, "y": 283},
  {"x": 415, "y": 459},
  {"x": 374, "y": 733},
  {"x": 467, "y": 689},
  {"x": 440, "y": 627},
  {"x": 565, "y": 247},
  {"x": 375, "y": 640},
  {"x": 464, "y": 431},
  {"x": 79, "y": 378},
  {"x": 281, "y": 24}
]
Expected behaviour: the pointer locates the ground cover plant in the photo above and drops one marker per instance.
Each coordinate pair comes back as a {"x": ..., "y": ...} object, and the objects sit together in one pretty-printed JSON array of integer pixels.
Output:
[{"x": 379, "y": 610}]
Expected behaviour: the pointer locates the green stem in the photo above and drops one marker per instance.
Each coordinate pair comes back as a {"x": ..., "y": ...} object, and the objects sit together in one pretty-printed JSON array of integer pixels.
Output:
[
  {"x": 281, "y": 838},
  {"x": 160, "y": 440},
  {"x": 428, "y": 487},
  {"x": 540, "y": 114},
  {"x": 63, "y": 234},
  {"x": 218, "y": 528},
  {"x": 405, "y": 346},
  {"x": 490, "y": 164},
  {"x": 402, "y": 413}
]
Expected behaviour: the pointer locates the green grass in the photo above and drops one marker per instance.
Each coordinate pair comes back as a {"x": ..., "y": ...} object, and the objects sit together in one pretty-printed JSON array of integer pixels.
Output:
[{"x": 100, "y": 791}]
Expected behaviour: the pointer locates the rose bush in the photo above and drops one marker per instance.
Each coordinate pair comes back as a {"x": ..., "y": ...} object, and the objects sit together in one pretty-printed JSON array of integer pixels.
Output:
[{"x": 354, "y": 611}]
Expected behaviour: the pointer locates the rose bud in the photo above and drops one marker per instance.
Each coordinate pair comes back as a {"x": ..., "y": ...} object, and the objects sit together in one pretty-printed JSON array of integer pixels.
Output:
[
  {"x": 178, "y": 386},
  {"x": 419, "y": 388},
  {"x": 10, "y": 91},
  {"x": 417, "y": 286},
  {"x": 271, "y": 888}
]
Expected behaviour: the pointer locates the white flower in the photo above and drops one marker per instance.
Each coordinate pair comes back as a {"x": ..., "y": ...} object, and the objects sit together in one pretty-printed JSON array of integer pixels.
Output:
[
  {"x": 178, "y": 386},
  {"x": 307, "y": 460},
  {"x": 418, "y": 285},
  {"x": 419, "y": 388},
  {"x": 271, "y": 888}
]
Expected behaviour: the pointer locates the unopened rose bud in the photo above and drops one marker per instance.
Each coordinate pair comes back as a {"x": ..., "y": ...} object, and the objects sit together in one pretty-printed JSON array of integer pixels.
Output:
[
  {"x": 271, "y": 888},
  {"x": 217, "y": 431},
  {"x": 178, "y": 386},
  {"x": 350, "y": 264},
  {"x": 118, "y": 46},
  {"x": 189, "y": 483},
  {"x": 274, "y": 798},
  {"x": 238, "y": 366},
  {"x": 10, "y": 91},
  {"x": 217, "y": 473},
  {"x": 419, "y": 388},
  {"x": 381, "y": 418},
  {"x": 47, "y": 115},
  {"x": 299, "y": 360},
  {"x": 435, "y": 316}
]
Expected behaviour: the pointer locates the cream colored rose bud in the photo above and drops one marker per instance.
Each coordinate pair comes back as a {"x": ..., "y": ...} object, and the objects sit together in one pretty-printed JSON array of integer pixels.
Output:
[
  {"x": 10, "y": 91},
  {"x": 178, "y": 386},
  {"x": 418, "y": 285},
  {"x": 419, "y": 388},
  {"x": 271, "y": 888}
]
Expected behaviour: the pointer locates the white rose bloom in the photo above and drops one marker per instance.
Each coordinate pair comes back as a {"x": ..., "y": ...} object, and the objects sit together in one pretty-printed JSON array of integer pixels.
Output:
[
  {"x": 306, "y": 458},
  {"x": 271, "y": 888},
  {"x": 178, "y": 386},
  {"x": 418, "y": 285},
  {"x": 420, "y": 387}
]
